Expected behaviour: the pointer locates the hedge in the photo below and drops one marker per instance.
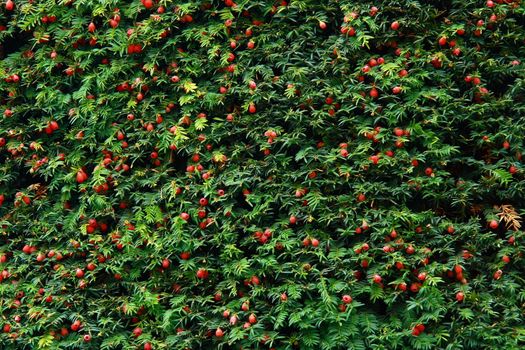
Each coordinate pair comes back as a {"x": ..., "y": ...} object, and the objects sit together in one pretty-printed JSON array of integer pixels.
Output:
[{"x": 303, "y": 174}]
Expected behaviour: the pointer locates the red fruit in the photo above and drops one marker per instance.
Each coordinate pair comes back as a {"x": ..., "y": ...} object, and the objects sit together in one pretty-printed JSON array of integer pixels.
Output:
[
  {"x": 251, "y": 108},
  {"x": 422, "y": 276},
  {"x": 293, "y": 219},
  {"x": 395, "y": 25},
  {"x": 203, "y": 202},
  {"x": 252, "y": 319},
  {"x": 202, "y": 273},
  {"x": 79, "y": 273},
  {"x": 165, "y": 263},
  {"x": 147, "y": 3},
  {"x": 7, "y": 328},
  {"x": 219, "y": 333},
  {"x": 322, "y": 25},
  {"x": 252, "y": 85},
  {"x": 347, "y": 299},
  {"x": 505, "y": 259},
  {"x": 91, "y": 27},
  {"x": 398, "y": 132},
  {"x": 429, "y": 171},
  {"x": 513, "y": 169},
  {"x": 377, "y": 279},
  {"x": 9, "y": 5},
  {"x": 460, "y": 296},
  {"x": 147, "y": 346},
  {"x": 451, "y": 229},
  {"x": 418, "y": 329},
  {"x": 233, "y": 320},
  {"x": 87, "y": 337},
  {"x": 493, "y": 224},
  {"x": 81, "y": 176},
  {"x": 373, "y": 93},
  {"x": 442, "y": 41},
  {"x": 284, "y": 297},
  {"x": 185, "y": 216},
  {"x": 396, "y": 90},
  {"x": 497, "y": 274},
  {"x": 255, "y": 280},
  {"x": 245, "y": 306},
  {"x": 75, "y": 326},
  {"x": 315, "y": 242},
  {"x": 137, "y": 332},
  {"x": 306, "y": 242}
]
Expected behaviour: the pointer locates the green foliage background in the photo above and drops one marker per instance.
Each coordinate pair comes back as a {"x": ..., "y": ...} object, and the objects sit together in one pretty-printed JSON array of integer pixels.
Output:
[{"x": 140, "y": 111}]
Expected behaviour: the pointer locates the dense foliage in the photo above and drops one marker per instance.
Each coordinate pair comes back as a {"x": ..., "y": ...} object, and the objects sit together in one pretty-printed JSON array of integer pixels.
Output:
[{"x": 303, "y": 174}]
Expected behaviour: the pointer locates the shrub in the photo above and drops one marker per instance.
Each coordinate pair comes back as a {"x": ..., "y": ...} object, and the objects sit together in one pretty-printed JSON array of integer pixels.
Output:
[{"x": 258, "y": 174}]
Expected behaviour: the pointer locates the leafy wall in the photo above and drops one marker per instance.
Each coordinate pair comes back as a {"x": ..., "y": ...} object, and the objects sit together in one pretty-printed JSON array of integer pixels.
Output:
[{"x": 311, "y": 174}]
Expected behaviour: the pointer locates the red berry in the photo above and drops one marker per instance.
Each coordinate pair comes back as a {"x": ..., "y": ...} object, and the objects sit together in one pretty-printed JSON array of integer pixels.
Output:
[
  {"x": 219, "y": 333},
  {"x": 9, "y": 5},
  {"x": 137, "y": 332},
  {"x": 79, "y": 273},
  {"x": 75, "y": 326},
  {"x": 165, "y": 263},
  {"x": 202, "y": 273},
  {"x": 395, "y": 25},
  {"x": 347, "y": 299}
]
